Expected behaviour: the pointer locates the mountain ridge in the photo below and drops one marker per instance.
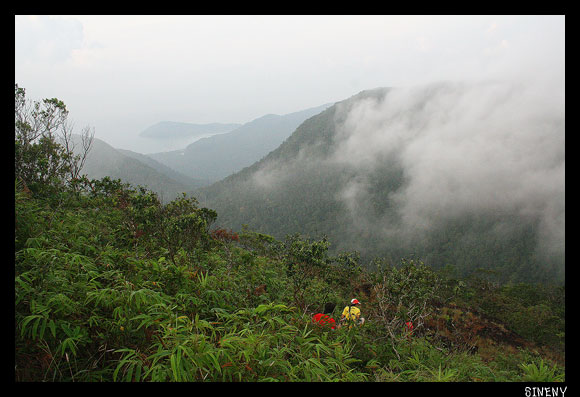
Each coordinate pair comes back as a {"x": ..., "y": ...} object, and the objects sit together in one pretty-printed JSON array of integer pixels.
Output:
[
  {"x": 213, "y": 158},
  {"x": 349, "y": 173},
  {"x": 135, "y": 169},
  {"x": 174, "y": 129}
]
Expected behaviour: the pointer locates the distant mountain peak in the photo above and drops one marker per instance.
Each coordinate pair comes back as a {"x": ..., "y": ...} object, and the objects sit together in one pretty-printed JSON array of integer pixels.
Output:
[
  {"x": 174, "y": 129},
  {"x": 217, "y": 156}
]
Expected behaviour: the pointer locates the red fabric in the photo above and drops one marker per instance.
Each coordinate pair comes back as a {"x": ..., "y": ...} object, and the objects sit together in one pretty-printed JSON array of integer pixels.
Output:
[{"x": 324, "y": 319}]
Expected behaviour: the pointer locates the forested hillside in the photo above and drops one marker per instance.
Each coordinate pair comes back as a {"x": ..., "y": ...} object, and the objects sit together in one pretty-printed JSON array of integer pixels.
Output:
[
  {"x": 111, "y": 284},
  {"x": 450, "y": 174},
  {"x": 138, "y": 170}
]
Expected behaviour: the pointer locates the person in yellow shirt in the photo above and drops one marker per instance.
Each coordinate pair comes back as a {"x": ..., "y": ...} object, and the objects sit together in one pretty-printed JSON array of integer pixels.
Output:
[{"x": 351, "y": 314}]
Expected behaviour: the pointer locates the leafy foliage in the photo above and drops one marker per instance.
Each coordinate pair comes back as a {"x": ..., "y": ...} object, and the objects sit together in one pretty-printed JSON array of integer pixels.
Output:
[{"x": 113, "y": 285}]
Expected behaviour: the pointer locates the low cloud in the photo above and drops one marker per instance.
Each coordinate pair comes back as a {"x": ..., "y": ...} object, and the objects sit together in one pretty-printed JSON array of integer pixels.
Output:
[{"x": 464, "y": 149}]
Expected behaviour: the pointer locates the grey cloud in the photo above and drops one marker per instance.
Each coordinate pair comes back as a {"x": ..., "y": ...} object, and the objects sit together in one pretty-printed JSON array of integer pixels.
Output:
[{"x": 464, "y": 148}]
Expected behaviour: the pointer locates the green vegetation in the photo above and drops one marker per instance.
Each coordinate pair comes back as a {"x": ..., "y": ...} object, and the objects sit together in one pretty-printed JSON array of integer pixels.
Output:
[{"x": 111, "y": 284}]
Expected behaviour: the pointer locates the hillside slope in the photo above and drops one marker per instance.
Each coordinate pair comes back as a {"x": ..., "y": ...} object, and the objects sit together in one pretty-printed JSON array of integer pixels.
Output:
[
  {"x": 162, "y": 168},
  {"x": 451, "y": 173},
  {"x": 113, "y": 286},
  {"x": 135, "y": 169}
]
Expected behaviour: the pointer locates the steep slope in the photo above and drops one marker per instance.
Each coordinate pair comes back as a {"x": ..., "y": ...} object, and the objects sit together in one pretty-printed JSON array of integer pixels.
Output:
[
  {"x": 463, "y": 174},
  {"x": 104, "y": 160},
  {"x": 163, "y": 169},
  {"x": 218, "y": 156}
]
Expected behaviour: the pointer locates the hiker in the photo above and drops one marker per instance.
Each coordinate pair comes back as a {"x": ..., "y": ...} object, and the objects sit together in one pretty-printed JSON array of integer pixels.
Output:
[
  {"x": 408, "y": 329},
  {"x": 351, "y": 314},
  {"x": 324, "y": 319}
]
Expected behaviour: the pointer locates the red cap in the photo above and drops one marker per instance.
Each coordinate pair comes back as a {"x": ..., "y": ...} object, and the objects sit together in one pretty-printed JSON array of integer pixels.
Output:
[{"x": 354, "y": 302}]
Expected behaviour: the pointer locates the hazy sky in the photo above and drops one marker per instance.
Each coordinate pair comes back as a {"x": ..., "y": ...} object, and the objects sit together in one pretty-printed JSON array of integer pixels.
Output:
[{"x": 121, "y": 74}]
